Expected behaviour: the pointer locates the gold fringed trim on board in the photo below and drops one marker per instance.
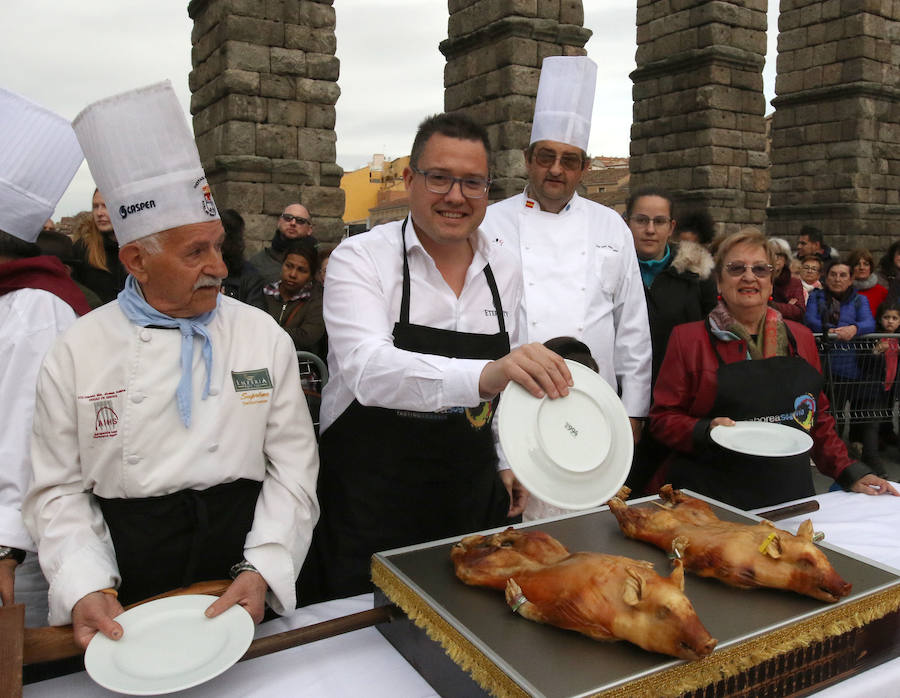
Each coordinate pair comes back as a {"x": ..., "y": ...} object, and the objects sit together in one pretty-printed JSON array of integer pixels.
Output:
[
  {"x": 689, "y": 676},
  {"x": 485, "y": 673}
]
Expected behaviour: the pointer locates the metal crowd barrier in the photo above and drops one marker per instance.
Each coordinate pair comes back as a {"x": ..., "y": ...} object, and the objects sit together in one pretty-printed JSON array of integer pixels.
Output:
[
  {"x": 313, "y": 377},
  {"x": 858, "y": 377}
]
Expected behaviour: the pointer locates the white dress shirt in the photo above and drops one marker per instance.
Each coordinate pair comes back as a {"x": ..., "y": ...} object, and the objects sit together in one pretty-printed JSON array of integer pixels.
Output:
[
  {"x": 362, "y": 303},
  {"x": 106, "y": 422},
  {"x": 581, "y": 279}
]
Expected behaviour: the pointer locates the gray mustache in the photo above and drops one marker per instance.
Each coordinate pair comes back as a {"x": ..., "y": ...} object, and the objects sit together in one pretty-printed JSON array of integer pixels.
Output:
[{"x": 205, "y": 281}]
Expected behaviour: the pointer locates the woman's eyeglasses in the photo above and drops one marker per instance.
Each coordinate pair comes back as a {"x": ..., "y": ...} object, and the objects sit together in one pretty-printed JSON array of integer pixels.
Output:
[{"x": 760, "y": 271}]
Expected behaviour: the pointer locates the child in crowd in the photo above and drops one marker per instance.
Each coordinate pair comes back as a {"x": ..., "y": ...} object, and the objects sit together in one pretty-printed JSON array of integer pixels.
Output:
[{"x": 884, "y": 377}]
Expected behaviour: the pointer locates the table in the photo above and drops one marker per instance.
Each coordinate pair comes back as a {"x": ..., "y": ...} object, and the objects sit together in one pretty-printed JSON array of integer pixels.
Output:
[{"x": 363, "y": 663}]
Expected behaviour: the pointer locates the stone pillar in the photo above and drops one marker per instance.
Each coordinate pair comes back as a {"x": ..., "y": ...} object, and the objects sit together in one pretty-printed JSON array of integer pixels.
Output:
[
  {"x": 836, "y": 129},
  {"x": 699, "y": 110},
  {"x": 264, "y": 86},
  {"x": 494, "y": 52}
]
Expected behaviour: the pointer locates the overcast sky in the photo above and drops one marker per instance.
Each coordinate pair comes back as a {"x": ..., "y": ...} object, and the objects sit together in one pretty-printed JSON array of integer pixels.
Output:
[{"x": 65, "y": 55}]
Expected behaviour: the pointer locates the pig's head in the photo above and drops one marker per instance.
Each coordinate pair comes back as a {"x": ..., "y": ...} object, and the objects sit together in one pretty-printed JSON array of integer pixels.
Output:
[
  {"x": 491, "y": 560},
  {"x": 802, "y": 566},
  {"x": 661, "y": 618}
]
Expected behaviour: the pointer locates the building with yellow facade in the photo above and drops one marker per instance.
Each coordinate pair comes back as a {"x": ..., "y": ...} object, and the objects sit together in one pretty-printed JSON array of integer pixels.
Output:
[{"x": 377, "y": 184}]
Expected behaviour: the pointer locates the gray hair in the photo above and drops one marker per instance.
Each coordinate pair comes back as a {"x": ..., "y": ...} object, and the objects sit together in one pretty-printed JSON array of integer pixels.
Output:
[
  {"x": 780, "y": 246},
  {"x": 151, "y": 244}
]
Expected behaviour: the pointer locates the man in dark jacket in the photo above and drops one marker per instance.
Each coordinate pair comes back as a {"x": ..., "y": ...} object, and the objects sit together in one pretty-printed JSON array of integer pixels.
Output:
[
  {"x": 678, "y": 286},
  {"x": 293, "y": 224}
]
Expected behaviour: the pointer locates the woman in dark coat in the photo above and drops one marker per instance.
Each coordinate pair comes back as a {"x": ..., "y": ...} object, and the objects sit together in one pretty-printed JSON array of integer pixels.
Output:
[{"x": 787, "y": 291}]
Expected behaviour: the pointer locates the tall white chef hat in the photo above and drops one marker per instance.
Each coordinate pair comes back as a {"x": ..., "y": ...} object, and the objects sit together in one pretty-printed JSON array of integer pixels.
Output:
[
  {"x": 565, "y": 100},
  {"x": 39, "y": 155},
  {"x": 144, "y": 161}
]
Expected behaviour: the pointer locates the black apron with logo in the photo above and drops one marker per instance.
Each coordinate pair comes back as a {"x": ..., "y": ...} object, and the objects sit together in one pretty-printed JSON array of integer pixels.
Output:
[
  {"x": 173, "y": 540},
  {"x": 783, "y": 386},
  {"x": 391, "y": 478}
]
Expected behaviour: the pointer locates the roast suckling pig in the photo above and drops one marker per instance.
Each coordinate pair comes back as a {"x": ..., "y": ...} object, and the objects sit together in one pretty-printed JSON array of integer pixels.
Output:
[
  {"x": 742, "y": 555},
  {"x": 605, "y": 597}
]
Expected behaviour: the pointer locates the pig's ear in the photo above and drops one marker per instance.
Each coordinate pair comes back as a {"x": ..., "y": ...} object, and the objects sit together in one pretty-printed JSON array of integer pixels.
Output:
[
  {"x": 634, "y": 588},
  {"x": 773, "y": 549},
  {"x": 806, "y": 530},
  {"x": 677, "y": 575}
]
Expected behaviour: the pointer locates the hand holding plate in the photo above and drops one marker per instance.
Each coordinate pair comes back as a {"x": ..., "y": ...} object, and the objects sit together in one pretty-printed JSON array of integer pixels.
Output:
[
  {"x": 722, "y": 422},
  {"x": 94, "y": 613},
  {"x": 533, "y": 366},
  {"x": 248, "y": 590}
]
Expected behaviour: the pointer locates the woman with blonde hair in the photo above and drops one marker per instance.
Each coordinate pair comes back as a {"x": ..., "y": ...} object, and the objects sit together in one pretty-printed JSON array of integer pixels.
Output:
[
  {"x": 97, "y": 253},
  {"x": 746, "y": 362}
]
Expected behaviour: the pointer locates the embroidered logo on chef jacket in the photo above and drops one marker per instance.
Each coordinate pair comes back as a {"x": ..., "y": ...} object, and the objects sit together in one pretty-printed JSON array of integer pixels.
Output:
[
  {"x": 253, "y": 386},
  {"x": 105, "y": 408}
]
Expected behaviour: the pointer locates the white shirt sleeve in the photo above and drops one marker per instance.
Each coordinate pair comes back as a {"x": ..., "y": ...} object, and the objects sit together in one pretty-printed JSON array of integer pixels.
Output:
[{"x": 360, "y": 326}]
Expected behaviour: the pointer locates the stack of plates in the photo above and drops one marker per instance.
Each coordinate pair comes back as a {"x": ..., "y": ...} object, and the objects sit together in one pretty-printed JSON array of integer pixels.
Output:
[{"x": 573, "y": 452}]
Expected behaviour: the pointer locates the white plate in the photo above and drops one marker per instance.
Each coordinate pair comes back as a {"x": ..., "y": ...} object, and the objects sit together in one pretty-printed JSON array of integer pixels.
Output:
[
  {"x": 762, "y": 439},
  {"x": 169, "y": 645},
  {"x": 573, "y": 452}
]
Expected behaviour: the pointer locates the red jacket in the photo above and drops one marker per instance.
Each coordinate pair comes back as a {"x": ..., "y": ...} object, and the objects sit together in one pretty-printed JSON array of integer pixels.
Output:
[{"x": 686, "y": 389}]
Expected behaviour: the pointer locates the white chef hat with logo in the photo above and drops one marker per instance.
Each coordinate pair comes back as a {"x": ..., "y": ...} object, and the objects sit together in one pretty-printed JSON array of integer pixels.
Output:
[
  {"x": 144, "y": 161},
  {"x": 565, "y": 101},
  {"x": 39, "y": 155}
]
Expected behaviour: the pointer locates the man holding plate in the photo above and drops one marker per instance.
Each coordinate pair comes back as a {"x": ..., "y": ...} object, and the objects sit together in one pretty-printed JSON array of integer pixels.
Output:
[
  {"x": 421, "y": 316},
  {"x": 577, "y": 258},
  {"x": 172, "y": 443}
]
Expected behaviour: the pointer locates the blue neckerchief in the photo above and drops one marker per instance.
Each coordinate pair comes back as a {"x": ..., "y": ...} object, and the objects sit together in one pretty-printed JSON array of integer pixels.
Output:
[
  {"x": 142, "y": 314},
  {"x": 650, "y": 268}
]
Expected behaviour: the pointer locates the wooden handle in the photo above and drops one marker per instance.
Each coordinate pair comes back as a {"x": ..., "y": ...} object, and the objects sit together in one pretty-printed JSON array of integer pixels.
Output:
[
  {"x": 320, "y": 631},
  {"x": 12, "y": 623},
  {"x": 789, "y": 511},
  {"x": 50, "y": 643}
]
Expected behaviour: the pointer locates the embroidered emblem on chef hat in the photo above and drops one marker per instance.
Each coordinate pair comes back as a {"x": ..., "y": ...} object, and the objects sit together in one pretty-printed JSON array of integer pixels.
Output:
[
  {"x": 39, "y": 155},
  {"x": 565, "y": 101},
  {"x": 144, "y": 160},
  {"x": 805, "y": 411}
]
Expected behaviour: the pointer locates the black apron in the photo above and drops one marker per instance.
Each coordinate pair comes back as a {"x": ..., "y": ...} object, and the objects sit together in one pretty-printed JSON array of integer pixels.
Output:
[
  {"x": 174, "y": 540},
  {"x": 391, "y": 478},
  {"x": 785, "y": 387}
]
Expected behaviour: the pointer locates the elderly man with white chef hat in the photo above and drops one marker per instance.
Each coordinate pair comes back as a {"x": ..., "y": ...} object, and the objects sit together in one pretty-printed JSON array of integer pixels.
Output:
[
  {"x": 172, "y": 443},
  {"x": 580, "y": 271}
]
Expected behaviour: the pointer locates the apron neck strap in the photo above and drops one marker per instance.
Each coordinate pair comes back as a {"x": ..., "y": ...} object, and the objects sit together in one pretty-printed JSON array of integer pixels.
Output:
[{"x": 404, "y": 300}]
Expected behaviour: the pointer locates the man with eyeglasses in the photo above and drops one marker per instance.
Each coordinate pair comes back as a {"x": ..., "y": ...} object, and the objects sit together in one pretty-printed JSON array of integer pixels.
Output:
[
  {"x": 421, "y": 318},
  {"x": 294, "y": 223},
  {"x": 577, "y": 257}
]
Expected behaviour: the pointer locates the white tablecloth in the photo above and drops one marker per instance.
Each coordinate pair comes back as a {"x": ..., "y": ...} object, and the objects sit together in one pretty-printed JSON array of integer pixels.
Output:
[{"x": 362, "y": 663}]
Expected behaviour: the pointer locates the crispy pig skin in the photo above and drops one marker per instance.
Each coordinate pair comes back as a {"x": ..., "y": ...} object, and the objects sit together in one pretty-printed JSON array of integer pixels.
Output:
[
  {"x": 605, "y": 597},
  {"x": 741, "y": 555}
]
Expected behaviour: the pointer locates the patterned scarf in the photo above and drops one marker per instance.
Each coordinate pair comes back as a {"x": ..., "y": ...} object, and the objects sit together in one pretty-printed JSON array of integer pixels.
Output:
[
  {"x": 771, "y": 335},
  {"x": 142, "y": 314},
  {"x": 304, "y": 294}
]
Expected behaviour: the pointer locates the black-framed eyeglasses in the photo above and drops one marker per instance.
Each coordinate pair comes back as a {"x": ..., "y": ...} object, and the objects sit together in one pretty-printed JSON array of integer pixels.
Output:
[
  {"x": 809, "y": 267},
  {"x": 442, "y": 183},
  {"x": 643, "y": 221},
  {"x": 569, "y": 161},
  {"x": 299, "y": 220},
  {"x": 760, "y": 271}
]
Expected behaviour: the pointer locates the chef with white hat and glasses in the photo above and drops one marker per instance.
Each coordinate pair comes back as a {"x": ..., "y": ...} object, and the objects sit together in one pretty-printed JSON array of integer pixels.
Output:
[
  {"x": 172, "y": 443},
  {"x": 39, "y": 155},
  {"x": 579, "y": 267}
]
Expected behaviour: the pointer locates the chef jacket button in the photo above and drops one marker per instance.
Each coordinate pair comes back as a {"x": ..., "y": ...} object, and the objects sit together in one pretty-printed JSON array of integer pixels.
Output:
[
  {"x": 137, "y": 397},
  {"x": 581, "y": 329},
  {"x": 134, "y": 460},
  {"x": 145, "y": 335},
  {"x": 213, "y": 448},
  {"x": 213, "y": 391},
  {"x": 534, "y": 322}
]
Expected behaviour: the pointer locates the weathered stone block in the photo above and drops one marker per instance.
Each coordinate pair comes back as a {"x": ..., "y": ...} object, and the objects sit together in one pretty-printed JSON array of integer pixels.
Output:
[
  {"x": 295, "y": 172},
  {"x": 311, "y": 40},
  {"x": 571, "y": 12},
  {"x": 330, "y": 174},
  {"x": 317, "y": 91},
  {"x": 548, "y": 9},
  {"x": 245, "y": 56},
  {"x": 320, "y": 116},
  {"x": 276, "y": 141},
  {"x": 287, "y": 61},
  {"x": 277, "y": 86},
  {"x": 252, "y": 30},
  {"x": 243, "y": 196},
  {"x": 316, "y": 144},
  {"x": 325, "y": 201},
  {"x": 322, "y": 67},
  {"x": 315, "y": 14},
  {"x": 276, "y": 197},
  {"x": 286, "y": 112}
]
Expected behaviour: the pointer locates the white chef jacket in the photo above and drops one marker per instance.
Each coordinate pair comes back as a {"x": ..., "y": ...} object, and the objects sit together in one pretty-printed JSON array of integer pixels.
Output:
[
  {"x": 106, "y": 422},
  {"x": 581, "y": 279},
  {"x": 362, "y": 303},
  {"x": 30, "y": 320}
]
